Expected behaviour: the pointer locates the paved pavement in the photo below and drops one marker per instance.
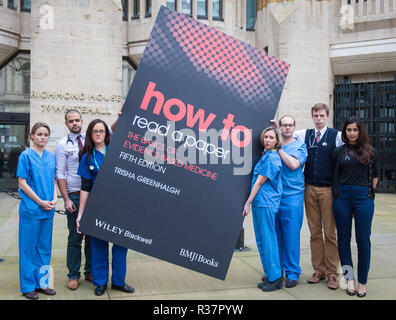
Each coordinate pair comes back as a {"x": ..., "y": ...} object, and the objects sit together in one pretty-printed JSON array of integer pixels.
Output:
[{"x": 156, "y": 279}]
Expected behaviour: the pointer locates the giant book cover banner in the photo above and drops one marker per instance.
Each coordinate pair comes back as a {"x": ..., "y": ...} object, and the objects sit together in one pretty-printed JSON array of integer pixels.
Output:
[{"x": 178, "y": 169}]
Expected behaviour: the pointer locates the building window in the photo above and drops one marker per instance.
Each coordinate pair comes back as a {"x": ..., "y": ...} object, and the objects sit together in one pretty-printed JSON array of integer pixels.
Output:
[
  {"x": 124, "y": 10},
  {"x": 217, "y": 10},
  {"x": 136, "y": 9},
  {"x": 202, "y": 9},
  {"x": 12, "y": 5},
  {"x": 171, "y": 4},
  {"x": 148, "y": 8},
  {"x": 25, "y": 5},
  {"x": 128, "y": 73},
  {"x": 15, "y": 84},
  {"x": 186, "y": 7},
  {"x": 251, "y": 14}
]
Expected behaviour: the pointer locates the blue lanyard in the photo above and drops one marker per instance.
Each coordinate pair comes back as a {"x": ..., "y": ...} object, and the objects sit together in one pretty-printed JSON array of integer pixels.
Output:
[{"x": 96, "y": 164}]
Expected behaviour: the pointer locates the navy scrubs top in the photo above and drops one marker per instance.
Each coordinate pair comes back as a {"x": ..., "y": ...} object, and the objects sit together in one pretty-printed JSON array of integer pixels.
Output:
[{"x": 89, "y": 166}]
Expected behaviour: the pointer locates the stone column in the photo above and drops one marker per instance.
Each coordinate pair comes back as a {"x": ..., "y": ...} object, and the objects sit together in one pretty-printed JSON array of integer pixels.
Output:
[{"x": 76, "y": 59}]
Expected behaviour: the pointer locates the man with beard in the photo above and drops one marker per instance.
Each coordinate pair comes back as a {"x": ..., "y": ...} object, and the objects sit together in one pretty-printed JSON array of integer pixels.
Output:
[{"x": 69, "y": 184}]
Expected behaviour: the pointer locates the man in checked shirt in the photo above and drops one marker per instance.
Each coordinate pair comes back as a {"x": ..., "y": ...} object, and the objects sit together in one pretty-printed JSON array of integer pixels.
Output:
[{"x": 69, "y": 184}]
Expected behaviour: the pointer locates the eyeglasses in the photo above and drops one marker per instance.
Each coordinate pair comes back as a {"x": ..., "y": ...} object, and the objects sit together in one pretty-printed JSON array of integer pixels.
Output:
[
  {"x": 285, "y": 125},
  {"x": 99, "y": 132}
]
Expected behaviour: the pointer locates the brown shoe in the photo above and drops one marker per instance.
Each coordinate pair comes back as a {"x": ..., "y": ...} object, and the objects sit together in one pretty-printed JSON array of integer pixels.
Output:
[
  {"x": 31, "y": 295},
  {"x": 47, "y": 291},
  {"x": 316, "y": 277},
  {"x": 88, "y": 277},
  {"x": 72, "y": 284},
  {"x": 332, "y": 283}
]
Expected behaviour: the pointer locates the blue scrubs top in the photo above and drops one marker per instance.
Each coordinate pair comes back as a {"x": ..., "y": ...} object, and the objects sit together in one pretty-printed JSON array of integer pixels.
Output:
[
  {"x": 293, "y": 180},
  {"x": 89, "y": 167},
  {"x": 270, "y": 166},
  {"x": 39, "y": 173}
]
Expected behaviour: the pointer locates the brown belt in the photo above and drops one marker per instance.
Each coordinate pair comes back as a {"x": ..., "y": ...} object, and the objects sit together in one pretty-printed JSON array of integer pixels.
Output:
[{"x": 75, "y": 192}]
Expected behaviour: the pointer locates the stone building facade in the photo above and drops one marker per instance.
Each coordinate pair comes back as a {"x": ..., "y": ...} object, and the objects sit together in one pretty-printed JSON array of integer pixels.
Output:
[{"x": 60, "y": 54}]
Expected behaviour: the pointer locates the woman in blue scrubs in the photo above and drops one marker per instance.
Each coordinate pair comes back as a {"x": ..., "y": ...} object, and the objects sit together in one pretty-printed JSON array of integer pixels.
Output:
[
  {"x": 265, "y": 195},
  {"x": 96, "y": 141},
  {"x": 36, "y": 178}
]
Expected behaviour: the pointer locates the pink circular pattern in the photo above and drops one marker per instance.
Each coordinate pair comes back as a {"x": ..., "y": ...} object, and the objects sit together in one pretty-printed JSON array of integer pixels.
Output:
[
  {"x": 184, "y": 47},
  {"x": 220, "y": 56}
]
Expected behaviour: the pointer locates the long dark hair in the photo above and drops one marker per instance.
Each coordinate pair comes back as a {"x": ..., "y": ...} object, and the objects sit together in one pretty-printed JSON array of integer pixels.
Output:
[
  {"x": 89, "y": 145},
  {"x": 363, "y": 150}
]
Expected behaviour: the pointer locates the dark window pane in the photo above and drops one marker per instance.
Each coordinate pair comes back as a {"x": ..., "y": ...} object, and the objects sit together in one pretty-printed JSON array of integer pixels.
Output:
[
  {"x": 25, "y": 5},
  {"x": 124, "y": 10},
  {"x": 12, "y": 5},
  {"x": 171, "y": 4},
  {"x": 217, "y": 10},
  {"x": 202, "y": 8},
  {"x": 148, "y": 8},
  {"x": 251, "y": 14},
  {"x": 186, "y": 7},
  {"x": 136, "y": 9}
]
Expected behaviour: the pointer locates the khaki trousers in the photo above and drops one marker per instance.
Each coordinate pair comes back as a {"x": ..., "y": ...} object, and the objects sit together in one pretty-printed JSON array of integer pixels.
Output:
[{"x": 320, "y": 217}]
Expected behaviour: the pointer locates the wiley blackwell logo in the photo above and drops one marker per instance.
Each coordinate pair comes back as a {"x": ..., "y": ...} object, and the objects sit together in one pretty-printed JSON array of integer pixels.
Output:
[{"x": 191, "y": 255}]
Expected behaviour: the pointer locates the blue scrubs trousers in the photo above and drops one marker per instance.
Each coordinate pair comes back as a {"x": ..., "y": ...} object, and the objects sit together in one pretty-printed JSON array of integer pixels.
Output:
[
  {"x": 35, "y": 243},
  {"x": 267, "y": 244},
  {"x": 288, "y": 224},
  {"x": 353, "y": 201},
  {"x": 100, "y": 263}
]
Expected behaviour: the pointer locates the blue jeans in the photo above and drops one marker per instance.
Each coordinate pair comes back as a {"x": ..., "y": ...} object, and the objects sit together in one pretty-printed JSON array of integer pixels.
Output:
[
  {"x": 267, "y": 243},
  {"x": 353, "y": 202}
]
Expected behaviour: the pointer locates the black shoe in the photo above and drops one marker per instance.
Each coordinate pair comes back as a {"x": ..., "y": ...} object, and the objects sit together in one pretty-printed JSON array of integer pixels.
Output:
[
  {"x": 361, "y": 294},
  {"x": 124, "y": 288},
  {"x": 290, "y": 283},
  {"x": 260, "y": 285},
  {"x": 100, "y": 290},
  {"x": 272, "y": 286},
  {"x": 350, "y": 292}
]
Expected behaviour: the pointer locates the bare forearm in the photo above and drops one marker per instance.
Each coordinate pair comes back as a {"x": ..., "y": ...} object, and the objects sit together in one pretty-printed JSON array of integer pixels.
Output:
[
  {"x": 256, "y": 187},
  {"x": 253, "y": 193},
  {"x": 291, "y": 162},
  {"x": 28, "y": 191},
  {"x": 55, "y": 193},
  {"x": 83, "y": 202},
  {"x": 375, "y": 181},
  {"x": 63, "y": 189}
]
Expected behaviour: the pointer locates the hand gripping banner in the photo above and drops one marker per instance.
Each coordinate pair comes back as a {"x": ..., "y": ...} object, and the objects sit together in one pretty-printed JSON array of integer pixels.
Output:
[{"x": 178, "y": 169}]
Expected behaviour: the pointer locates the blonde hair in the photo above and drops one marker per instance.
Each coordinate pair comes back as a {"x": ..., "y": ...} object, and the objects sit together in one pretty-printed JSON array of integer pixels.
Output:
[{"x": 276, "y": 131}]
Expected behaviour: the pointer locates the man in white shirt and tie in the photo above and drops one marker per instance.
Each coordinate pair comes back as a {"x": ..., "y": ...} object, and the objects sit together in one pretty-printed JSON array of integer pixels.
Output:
[
  {"x": 69, "y": 184},
  {"x": 318, "y": 172}
]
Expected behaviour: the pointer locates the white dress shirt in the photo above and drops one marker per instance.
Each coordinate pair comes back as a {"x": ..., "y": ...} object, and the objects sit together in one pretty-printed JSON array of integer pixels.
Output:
[
  {"x": 300, "y": 134},
  {"x": 66, "y": 153}
]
